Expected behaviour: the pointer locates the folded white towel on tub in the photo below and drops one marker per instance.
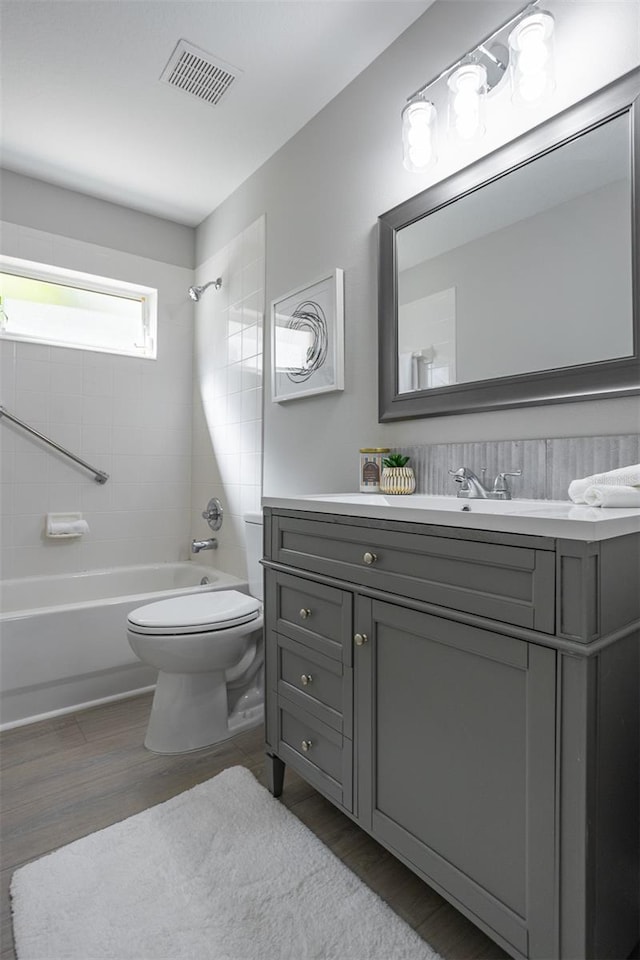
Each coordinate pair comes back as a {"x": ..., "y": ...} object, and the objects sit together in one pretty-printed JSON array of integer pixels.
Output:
[
  {"x": 601, "y": 496},
  {"x": 621, "y": 477}
]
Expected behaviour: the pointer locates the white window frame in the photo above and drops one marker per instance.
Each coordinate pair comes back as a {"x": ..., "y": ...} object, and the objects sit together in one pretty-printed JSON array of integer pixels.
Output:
[{"x": 146, "y": 296}]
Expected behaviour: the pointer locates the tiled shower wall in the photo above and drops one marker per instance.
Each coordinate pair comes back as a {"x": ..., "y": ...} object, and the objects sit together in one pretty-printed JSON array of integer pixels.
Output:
[
  {"x": 227, "y": 402},
  {"x": 127, "y": 416},
  {"x": 548, "y": 466}
]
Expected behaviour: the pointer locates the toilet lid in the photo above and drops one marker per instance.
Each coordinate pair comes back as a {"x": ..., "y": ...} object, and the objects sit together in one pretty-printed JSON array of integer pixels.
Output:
[{"x": 196, "y": 613}]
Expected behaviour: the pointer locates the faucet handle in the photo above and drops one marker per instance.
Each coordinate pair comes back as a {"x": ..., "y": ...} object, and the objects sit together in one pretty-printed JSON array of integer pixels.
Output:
[
  {"x": 213, "y": 513},
  {"x": 501, "y": 484}
]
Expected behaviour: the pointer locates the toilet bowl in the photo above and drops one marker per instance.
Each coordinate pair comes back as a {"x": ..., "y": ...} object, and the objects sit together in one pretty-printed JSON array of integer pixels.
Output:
[{"x": 209, "y": 652}]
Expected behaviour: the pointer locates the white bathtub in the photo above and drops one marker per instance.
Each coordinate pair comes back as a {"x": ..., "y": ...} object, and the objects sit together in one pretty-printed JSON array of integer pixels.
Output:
[{"x": 63, "y": 639}]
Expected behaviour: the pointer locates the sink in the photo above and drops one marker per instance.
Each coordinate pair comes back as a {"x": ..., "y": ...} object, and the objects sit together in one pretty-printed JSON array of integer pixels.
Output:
[{"x": 545, "y": 518}]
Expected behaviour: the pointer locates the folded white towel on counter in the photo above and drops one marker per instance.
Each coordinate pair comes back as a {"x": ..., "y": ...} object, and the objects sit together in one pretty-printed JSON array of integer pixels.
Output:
[
  {"x": 599, "y": 495},
  {"x": 621, "y": 477}
]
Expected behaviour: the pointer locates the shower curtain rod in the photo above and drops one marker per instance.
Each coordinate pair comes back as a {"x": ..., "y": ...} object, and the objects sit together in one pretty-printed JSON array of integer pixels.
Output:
[{"x": 99, "y": 475}]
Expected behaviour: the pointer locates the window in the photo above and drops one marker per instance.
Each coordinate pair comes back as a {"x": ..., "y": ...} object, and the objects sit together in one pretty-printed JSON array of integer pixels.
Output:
[{"x": 65, "y": 308}]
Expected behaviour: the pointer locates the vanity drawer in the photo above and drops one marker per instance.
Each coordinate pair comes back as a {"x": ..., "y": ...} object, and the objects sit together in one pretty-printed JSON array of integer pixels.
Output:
[
  {"x": 318, "y": 752},
  {"x": 315, "y": 615},
  {"x": 511, "y": 584},
  {"x": 320, "y": 685}
]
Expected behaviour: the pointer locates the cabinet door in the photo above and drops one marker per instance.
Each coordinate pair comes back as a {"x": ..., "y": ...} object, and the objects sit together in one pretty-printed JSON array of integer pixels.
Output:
[{"x": 456, "y": 764}]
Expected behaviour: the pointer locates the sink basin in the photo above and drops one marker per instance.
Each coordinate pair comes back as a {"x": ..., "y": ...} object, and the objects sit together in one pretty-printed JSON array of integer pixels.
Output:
[{"x": 545, "y": 518}]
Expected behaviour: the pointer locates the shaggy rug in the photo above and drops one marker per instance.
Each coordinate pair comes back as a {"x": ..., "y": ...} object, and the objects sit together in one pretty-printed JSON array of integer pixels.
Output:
[{"x": 220, "y": 872}]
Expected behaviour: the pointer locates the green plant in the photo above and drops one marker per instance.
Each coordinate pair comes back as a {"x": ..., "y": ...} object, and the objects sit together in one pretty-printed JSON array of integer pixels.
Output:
[{"x": 395, "y": 460}]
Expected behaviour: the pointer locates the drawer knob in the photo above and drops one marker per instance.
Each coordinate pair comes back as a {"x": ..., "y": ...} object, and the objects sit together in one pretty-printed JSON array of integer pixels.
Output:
[
  {"x": 305, "y": 613},
  {"x": 360, "y": 639},
  {"x": 369, "y": 558},
  {"x": 306, "y": 679},
  {"x": 306, "y": 746}
]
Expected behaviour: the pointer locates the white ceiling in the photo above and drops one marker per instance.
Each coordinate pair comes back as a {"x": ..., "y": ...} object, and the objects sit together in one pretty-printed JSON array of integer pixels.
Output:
[{"x": 83, "y": 106}]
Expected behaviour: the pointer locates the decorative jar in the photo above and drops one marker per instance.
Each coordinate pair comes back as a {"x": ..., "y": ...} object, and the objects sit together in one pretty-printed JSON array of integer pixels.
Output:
[{"x": 371, "y": 468}]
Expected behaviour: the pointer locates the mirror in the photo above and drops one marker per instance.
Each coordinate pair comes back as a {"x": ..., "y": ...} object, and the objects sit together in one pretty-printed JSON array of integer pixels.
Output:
[{"x": 511, "y": 283}]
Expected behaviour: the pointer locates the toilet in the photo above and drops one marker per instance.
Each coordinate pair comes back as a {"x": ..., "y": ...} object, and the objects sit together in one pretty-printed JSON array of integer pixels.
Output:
[{"x": 208, "y": 649}]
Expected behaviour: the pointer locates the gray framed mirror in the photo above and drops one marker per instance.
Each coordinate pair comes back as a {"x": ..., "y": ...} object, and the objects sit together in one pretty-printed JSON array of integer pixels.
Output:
[{"x": 516, "y": 281}]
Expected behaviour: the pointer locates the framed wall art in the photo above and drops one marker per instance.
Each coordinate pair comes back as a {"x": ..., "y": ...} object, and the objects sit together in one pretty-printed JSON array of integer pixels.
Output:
[{"x": 307, "y": 340}]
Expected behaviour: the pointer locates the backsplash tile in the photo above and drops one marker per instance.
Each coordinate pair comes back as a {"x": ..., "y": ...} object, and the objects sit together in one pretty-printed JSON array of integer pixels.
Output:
[
  {"x": 548, "y": 466},
  {"x": 578, "y": 457}
]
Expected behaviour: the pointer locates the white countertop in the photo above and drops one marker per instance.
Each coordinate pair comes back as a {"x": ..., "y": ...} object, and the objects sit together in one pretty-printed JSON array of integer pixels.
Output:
[{"x": 544, "y": 518}]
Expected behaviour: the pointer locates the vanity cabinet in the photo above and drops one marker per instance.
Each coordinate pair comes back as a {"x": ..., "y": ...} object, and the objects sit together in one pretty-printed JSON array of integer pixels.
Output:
[{"x": 453, "y": 692}]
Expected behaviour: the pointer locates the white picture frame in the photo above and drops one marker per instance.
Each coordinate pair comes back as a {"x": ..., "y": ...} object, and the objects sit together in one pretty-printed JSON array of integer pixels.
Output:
[{"x": 307, "y": 340}]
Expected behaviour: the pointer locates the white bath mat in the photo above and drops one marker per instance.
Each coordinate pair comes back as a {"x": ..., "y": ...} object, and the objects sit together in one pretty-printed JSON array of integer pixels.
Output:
[{"x": 221, "y": 872}]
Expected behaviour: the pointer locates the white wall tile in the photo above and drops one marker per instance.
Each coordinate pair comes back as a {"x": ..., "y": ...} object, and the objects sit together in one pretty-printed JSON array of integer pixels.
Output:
[
  {"x": 228, "y": 387},
  {"x": 124, "y": 415},
  {"x": 234, "y": 347},
  {"x": 33, "y": 351},
  {"x": 67, "y": 497},
  {"x": 64, "y": 408},
  {"x": 221, "y": 391},
  {"x": 253, "y": 277},
  {"x": 33, "y": 375},
  {"x": 250, "y": 341},
  {"x": 97, "y": 379},
  {"x": 95, "y": 411}
]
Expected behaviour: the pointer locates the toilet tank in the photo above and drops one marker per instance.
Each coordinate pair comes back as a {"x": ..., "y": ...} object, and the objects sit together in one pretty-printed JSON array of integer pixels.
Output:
[{"x": 253, "y": 541}]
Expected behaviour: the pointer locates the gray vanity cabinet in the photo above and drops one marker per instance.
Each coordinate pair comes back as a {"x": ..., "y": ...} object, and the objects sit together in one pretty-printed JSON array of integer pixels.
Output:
[
  {"x": 308, "y": 669},
  {"x": 469, "y": 698},
  {"x": 456, "y": 762}
]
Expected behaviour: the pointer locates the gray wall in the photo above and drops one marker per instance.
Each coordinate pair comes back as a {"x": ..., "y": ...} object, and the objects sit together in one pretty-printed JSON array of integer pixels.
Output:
[
  {"x": 43, "y": 206},
  {"x": 322, "y": 194}
]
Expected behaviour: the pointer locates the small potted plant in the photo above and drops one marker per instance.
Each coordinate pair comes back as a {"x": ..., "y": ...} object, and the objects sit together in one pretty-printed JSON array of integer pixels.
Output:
[{"x": 397, "y": 477}]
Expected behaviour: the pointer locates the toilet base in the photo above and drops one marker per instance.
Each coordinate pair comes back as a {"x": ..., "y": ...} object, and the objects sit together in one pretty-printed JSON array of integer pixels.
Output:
[{"x": 189, "y": 711}]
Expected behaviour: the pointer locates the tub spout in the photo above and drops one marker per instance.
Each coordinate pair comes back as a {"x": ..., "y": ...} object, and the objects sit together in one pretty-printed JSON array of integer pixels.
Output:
[{"x": 198, "y": 545}]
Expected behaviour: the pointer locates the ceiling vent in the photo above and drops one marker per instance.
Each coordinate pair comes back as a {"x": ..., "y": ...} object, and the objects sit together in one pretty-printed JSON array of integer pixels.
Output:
[{"x": 196, "y": 72}]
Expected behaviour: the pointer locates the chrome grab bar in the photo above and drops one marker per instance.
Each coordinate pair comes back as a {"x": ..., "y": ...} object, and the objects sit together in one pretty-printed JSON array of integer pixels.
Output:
[{"x": 99, "y": 475}]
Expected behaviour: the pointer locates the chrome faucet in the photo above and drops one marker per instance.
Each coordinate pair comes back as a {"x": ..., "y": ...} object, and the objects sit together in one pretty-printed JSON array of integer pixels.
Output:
[
  {"x": 473, "y": 488},
  {"x": 198, "y": 545}
]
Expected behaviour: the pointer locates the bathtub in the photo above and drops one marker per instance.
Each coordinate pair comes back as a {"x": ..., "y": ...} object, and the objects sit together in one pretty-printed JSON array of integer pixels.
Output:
[{"x": 63, "y": 639}]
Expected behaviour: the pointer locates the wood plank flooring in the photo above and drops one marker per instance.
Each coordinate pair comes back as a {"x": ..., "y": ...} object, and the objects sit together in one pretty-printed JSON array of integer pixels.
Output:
[{"x": 67, "y": 777}]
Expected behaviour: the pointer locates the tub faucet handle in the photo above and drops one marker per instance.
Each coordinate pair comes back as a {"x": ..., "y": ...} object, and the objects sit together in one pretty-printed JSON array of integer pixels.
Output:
[{"x": 213, "y": 514}]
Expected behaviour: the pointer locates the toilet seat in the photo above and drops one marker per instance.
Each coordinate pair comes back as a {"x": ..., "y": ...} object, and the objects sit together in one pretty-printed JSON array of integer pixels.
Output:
[{"x": 198, "y": 613}]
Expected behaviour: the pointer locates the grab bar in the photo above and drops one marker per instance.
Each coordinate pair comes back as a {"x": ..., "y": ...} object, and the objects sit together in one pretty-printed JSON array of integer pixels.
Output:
[{"x": 99, "y": 475}]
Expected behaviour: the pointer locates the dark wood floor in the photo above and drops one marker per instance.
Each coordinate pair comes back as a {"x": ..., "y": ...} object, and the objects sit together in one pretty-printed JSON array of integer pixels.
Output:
[{"x": 67, "y": 777}]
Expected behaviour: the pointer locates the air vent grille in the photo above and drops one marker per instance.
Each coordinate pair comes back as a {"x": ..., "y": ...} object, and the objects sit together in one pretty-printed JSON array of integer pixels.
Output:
[{"x": 198, "y": 73}]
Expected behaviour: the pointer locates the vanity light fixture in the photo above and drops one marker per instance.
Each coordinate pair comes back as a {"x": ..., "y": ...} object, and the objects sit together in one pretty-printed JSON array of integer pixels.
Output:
[
  {"x": 467, "y": 90},
  {"x": 419, "y": 134},
  {"x": 531, "y": 58},
  {"x": 528, "y": 59}
]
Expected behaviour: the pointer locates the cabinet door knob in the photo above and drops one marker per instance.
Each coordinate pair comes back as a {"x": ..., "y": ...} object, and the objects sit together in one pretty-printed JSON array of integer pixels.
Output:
[
  {"x": 306, "y": 746},
  {"x": 306, "y": 679},
  {"x": 369, "y": 558},
  {"x": 360, "y": 639},
  {"x": 305, "y": 613}
]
